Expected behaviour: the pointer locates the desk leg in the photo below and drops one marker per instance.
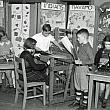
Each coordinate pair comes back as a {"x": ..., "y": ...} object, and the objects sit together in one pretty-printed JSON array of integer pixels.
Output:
[
  {"x": 90, "y": 92},
  {"x": 68, "y": 81},
  {"x": 72, "y": 90},
  {"x": 96, "y": 94},
  {"x": 51, "y": 82}
]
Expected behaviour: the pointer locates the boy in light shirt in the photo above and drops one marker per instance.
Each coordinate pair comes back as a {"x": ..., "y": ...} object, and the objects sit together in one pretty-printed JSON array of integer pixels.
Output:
[{"x": 44, "y": 39}]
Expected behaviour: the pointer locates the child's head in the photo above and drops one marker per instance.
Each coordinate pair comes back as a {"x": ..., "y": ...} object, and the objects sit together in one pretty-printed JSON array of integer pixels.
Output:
[
  {"x": 46, "y": 29},
  {"x": 106, "y": 42},
  {"x": 30, "y": 43},
  {"x": 82, "y": 36}
]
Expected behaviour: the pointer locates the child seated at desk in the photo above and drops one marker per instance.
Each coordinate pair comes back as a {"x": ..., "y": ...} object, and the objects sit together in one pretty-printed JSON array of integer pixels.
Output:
[
  {"x": 44, "y": 39},
  {"x": 5, "y": 49},
  {"x": 35, "y": 72},
  {"x": 102, "y": 63}
]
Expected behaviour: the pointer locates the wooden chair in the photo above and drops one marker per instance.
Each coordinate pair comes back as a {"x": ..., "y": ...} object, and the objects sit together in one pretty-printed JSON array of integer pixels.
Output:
[{"x": 23, "y": 86}]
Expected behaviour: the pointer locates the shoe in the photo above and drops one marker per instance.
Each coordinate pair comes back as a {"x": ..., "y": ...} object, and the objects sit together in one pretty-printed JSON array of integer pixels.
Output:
[
  {"x": 74, "y": 104},
  {"x": 82, "y": 107},
  {"x": 100, "y": 99},
  {"x": 104, "y": 103}
]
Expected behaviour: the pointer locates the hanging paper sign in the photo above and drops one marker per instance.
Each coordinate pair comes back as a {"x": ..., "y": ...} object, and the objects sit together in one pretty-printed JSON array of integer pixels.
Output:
[
  {"x": 54, "y": 14},
  {"x": 1, "y": 3},
  {"x": 81, "y": 16},
  {"x": 20, "y": 25},
  {"x": 51, "y": 6}
]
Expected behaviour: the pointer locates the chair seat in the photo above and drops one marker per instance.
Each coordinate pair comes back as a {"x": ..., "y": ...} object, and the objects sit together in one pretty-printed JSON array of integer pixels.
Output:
[
  {"x": 35, "y": 84},
  {"x": 21, "y": 83}
]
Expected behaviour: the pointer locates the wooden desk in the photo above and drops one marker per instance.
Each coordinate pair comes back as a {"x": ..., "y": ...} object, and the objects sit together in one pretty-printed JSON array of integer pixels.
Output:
[
  {"x": 98, "y": 77},
  {"x": 6, "y": 66},
  {"x": 68, "y": 68}
]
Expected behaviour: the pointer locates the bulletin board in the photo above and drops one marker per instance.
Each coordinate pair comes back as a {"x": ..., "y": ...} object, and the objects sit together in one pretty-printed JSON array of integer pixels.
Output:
[
  {"x": 104, "y": 18},
  {"x": 104, "y": 21},
  {"x": 54, "y": 14},
  {"x": 20, "y": 23},
  {"x": 82, "y": 16}
]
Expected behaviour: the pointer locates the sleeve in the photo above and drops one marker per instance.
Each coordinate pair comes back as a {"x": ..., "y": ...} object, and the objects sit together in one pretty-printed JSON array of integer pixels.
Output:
[
  {"x": 30, "y": 60},
  {"x": 90, "y": 55}
]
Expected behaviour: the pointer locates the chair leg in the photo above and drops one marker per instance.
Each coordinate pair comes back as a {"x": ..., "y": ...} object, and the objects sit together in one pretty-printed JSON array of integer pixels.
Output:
[
  {"x": 34, "y": 89},
  {"x": 44, "y": 94},
  {"x": 96, "y": 94},
  {"x": 24, "y": 100},
  {"x": 16, "y": 96}
]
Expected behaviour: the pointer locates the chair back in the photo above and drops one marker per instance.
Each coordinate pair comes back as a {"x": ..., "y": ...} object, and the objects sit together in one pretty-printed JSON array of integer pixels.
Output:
[{"x": 20, "y": 70}]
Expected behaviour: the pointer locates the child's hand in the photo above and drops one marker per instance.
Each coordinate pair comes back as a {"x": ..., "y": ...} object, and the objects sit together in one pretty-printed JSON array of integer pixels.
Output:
[
  {"x": 38, "y": 55},
  {"x": 78, "y": 61}
]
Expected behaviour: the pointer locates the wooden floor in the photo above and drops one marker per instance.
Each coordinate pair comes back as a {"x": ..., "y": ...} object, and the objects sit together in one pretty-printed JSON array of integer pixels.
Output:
[{"x": 7, "y": 103}]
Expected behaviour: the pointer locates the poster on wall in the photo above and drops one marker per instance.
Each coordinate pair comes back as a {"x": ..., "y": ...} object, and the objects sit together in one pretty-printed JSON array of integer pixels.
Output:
[
  {"x": 54, "y": 14},
  {"x": 1, "y": 14},
  {"x": 82, "y": 16},
  {"x": 104, "y": 21},
  {"x": 20, "y": 19}
]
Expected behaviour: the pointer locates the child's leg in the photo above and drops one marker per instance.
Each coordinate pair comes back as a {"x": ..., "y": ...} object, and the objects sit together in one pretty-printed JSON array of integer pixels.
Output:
[
  {"x": 78, "y": 95},
  {"x": 101, "y": 92},
  {"x": 9, "y": 77},
  {"x": 78, "y": 92},
  {"x": 104, "y": 102},
  {"x": 102, "y": 88},
  {"x": 76, "y": 102},
  {"x": 85, "y": 99},
  {"x": 84, "y": 87}
]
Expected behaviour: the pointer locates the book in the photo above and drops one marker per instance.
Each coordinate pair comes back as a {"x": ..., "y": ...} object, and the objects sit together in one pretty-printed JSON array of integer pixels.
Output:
[{"x": 68, "y": 45}]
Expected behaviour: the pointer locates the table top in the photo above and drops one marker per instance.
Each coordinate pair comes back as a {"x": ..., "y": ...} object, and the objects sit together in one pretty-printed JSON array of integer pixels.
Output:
[
  {"x": 7, "y": 66},
  {"x": 100, "y": 73},
  {"x": 59, "y": 56}
]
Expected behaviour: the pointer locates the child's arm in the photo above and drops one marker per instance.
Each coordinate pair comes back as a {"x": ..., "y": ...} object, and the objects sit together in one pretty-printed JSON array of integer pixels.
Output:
[{"x": 90, "y": 55}]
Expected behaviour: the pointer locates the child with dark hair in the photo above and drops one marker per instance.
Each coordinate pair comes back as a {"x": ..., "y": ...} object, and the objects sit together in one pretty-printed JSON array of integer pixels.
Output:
[
  {"x": 35, "y": 72},
  {"x": 6, "y": 48},
  {"x": 44, "y": 39},
  {"x": 102, "y": 63},
  {"x": 85, "y": 58}
]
